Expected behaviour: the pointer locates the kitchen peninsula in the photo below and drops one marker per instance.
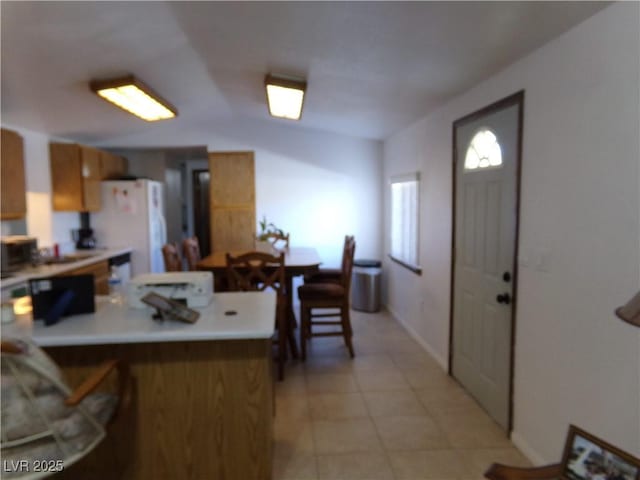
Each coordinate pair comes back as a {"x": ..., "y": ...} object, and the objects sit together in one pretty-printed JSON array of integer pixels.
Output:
[{"x": 204, "y": 403}]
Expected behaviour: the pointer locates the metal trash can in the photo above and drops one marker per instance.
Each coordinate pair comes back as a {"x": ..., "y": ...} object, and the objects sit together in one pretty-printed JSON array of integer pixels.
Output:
[{"x": 365, "y": 285}]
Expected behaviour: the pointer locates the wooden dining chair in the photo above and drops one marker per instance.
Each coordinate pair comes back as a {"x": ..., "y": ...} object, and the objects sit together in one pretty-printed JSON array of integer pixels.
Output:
[
  {"x": 332, "y": 275},
  {"x": 172, "y": 258},
  {"x": 328, "y": 295},
  {"x": 191, "y": 250},
  {"x": 259, "y": 271},
  {"x": 278, "y": 240}
]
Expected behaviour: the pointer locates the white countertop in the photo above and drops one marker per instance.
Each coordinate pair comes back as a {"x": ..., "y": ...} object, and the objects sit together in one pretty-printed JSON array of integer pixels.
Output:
[
  {"x": 116, "y": 324},
  {"x": 96, "y": 255}
]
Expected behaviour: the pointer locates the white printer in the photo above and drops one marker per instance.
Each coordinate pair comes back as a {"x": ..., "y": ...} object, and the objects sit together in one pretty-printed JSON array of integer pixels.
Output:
[{"x": 196, "y": 288}]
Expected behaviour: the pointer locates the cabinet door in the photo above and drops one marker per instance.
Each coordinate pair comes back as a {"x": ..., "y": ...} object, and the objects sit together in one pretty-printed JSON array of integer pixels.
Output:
[
  {"x": 66, "y": 177},
  {"x": 91, "y": 176},
  {"x": 232, "y": 200},
  {"x": 75, "y": 177},
  {"x": 112, "y": 166},
  {"x": 100, "y": 272},
  {"x": 14, "y": 200}
]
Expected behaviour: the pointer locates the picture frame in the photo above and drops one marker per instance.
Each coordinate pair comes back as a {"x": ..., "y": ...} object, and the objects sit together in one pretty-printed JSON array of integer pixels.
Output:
[{"x": 587, "y": 457}]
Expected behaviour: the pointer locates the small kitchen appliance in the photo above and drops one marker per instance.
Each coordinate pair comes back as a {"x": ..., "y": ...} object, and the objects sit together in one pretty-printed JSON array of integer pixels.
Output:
[
  {"x": 17, "y": 252},
  {"x": 195, "y": 289},
  {"x": 84, "y": 238}
]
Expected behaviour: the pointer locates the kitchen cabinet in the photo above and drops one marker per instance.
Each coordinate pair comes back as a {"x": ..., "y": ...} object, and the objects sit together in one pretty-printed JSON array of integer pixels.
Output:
[
  {"x": 100, "y": 272},
  {"x": 14, "y": 199},
  {"x": 112, "y": 166},
  {"x": 75, "y": 177},
  {"x": 76, "y": 173}
]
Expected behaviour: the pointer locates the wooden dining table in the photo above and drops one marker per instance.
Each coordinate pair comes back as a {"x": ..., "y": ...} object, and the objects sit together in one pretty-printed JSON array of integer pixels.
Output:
[{"x": 297, "y": 261}]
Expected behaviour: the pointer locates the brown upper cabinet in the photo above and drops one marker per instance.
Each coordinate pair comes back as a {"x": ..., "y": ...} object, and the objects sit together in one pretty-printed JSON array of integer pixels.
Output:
[
  {"x": 76, "y": 172},
  {"x": 14, "y": 198},
  {"x": 112, "y": 166}
]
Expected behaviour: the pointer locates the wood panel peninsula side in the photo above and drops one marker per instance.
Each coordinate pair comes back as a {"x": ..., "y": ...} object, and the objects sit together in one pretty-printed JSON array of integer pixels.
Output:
[{"x": 204, "y": 398}]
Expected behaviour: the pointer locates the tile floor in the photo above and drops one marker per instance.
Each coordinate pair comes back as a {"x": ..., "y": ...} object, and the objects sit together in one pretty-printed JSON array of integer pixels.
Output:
[{"x": 389, "y": 413}]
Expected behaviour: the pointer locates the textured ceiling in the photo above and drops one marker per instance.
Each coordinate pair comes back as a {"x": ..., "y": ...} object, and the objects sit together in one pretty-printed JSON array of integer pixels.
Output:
[{"x": 372, "y": 67}]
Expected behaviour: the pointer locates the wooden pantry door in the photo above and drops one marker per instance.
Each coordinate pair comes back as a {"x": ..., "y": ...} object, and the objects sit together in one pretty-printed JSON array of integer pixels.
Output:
[{"x": 232, "y": 201}]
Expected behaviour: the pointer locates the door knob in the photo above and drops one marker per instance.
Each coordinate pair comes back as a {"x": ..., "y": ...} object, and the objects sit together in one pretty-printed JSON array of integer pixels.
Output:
[
  {"x": 506, "y": 276},
  {"x": 504, "y": 298}
]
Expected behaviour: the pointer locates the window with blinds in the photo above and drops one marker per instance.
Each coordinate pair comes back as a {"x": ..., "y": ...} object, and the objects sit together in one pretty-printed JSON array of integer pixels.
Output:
[{"x": 404, "y": 220}]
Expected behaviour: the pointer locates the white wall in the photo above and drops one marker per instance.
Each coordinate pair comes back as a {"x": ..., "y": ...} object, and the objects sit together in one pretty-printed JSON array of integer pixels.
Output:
[
  {"x": 317, "y": 186},
  {"x": 42, "y": 222},
  {"x": 575, "y": 362}
]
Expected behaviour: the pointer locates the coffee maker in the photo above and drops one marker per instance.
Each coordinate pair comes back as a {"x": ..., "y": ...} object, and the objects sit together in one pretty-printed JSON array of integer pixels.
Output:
[{"x": 83, "y": 236}]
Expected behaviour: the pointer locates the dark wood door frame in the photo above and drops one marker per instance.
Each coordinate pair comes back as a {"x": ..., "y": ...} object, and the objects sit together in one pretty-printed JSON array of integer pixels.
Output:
[
  {"x": 515, "y": 99},
  {"x": 201, "y": 212}
]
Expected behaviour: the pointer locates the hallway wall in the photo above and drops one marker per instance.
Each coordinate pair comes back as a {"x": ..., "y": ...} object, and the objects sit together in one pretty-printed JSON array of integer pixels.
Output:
[{"x": 579, "y": 234}]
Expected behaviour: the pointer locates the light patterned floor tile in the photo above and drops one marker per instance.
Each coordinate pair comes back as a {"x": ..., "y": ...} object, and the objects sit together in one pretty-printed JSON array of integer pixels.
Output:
[
  {"x": 292, "y": 437},
  {"x": 444, "y": 398},
  {"x": 331, "y": 383},
  {"x": 410, "y": 433},
  {"x": 299, "y": 466},
  {"x": 291, "y": 385},
  {"x": 412, "y": 361},
  {"x": 345, "y": 436},
  {"x": 400, "y": 402},
  {"x": 430, "y": 377},
  {"x": 328, "y": 364},
  {"x": 472, "y": 430},
  {"x": 374, "y": 362},
  {"x": 292, "y": 408},
  {"x": 381, "y": 381},
  {"x": 336, "y": 406},
  {"x": 427, "y": 465},
  {"x": 354, "y": 466}
]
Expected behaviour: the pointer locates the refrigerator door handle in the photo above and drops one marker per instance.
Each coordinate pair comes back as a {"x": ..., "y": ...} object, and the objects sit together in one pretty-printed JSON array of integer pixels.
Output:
[{"x": 163, "y": 228}]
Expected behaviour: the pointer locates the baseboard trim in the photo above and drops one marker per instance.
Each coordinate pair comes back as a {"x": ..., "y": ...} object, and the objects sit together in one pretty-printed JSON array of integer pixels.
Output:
[
  {"x": 526, "y": 449},
  {"x": 428, "y": 348}
]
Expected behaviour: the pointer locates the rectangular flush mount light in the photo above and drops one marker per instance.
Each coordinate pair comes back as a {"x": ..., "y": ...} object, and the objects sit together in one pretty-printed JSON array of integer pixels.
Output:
[
  {"x": 135, "y": 97},
  {"x": 285, "y": 96}
]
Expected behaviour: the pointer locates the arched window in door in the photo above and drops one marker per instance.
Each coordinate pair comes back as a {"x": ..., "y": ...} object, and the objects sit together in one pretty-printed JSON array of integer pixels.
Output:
[{"x": 483, "y": 151}]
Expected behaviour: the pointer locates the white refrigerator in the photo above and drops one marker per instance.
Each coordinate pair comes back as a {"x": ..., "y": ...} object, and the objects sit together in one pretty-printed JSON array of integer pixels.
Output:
[{"x": 132, "y": 215}]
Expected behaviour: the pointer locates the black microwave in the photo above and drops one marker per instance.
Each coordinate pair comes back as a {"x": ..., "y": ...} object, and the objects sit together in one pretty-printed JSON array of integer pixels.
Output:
[{"x": 17, "y": 252}]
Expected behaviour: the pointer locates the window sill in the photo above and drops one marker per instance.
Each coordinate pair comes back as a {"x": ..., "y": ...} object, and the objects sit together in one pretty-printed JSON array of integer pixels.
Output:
[{"x": 414, "y": 268}]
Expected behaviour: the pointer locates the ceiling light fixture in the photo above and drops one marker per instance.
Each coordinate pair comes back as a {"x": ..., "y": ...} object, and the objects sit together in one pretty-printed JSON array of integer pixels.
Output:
[
  {"x": 135, "y": 97},
  {"x": 285, "y": 96}
]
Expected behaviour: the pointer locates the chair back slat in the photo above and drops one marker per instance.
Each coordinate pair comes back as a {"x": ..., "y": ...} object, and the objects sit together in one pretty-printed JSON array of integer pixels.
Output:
[
  {"x": 347, "y": 262},
  {"x": 172, "y": 258},
  {"x": 191, "y": 250}
]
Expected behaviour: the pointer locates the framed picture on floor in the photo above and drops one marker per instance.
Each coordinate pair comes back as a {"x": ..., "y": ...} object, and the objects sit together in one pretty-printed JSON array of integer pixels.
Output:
[{"x": 586, "y": 457}]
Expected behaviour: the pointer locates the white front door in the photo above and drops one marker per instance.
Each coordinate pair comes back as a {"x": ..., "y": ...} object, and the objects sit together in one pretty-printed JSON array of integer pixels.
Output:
[{"x": 486, "y": 165}]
